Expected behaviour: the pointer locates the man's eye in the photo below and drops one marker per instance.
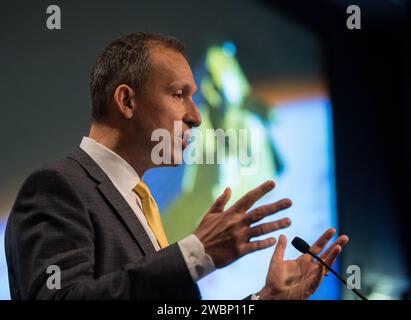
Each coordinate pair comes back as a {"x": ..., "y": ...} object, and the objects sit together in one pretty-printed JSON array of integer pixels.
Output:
[{"x": 178, "y": 95}]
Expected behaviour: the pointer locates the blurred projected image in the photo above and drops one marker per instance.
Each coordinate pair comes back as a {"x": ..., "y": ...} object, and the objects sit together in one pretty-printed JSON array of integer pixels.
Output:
[
  {"x": 295, "y": 150},
  {"x": 225, "y": 103}
]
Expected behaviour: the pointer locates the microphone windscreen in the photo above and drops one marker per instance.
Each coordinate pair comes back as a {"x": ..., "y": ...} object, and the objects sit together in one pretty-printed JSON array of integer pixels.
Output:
[{"x": 300, "y": 245}]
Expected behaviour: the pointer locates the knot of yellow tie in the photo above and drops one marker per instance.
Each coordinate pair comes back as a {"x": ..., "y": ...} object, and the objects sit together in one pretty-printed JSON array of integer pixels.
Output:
[
  {"x": 142, "y": 190},
  {"x": 151, "y": 212}
]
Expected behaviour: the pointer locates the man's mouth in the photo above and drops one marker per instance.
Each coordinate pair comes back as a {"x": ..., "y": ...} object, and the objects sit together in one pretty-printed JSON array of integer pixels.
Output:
[
  {"x": 186, "y": 139},
  {"x": 184, "y": 144}
]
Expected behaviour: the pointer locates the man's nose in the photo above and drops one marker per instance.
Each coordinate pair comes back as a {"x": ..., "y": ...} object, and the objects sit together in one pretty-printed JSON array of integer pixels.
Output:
[{"x": 193, "y": 117}]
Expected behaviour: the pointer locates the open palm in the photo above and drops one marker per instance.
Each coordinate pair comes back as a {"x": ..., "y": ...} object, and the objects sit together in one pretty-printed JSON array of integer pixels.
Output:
[{"x": 298, "y": 279}]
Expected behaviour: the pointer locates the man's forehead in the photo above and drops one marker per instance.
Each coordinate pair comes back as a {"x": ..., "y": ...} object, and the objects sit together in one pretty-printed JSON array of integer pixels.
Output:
[{"x": 170, "y": 63}]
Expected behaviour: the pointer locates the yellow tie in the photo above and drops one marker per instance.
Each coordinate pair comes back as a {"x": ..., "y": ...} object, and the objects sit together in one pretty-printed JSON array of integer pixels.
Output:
[{"x": 151, "y": 213}]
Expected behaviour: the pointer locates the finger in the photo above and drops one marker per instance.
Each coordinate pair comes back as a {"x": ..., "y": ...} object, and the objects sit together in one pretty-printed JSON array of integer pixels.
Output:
[
  {"x": 332, "y": 256},
  {"x": 260, "y": 213},
  {"x": 265, "y": 228},
  {"x": 280, "y": 248},
  {"x": 321, "y": 243},
  {"x": 251, "y": 197},
  {"x": 253, "y": 246},
  {"x": 219, "y": 204},
  {"x": 341, "y": 241}
]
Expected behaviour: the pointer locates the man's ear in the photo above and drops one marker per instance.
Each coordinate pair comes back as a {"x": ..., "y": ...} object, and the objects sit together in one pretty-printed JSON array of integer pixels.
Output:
[{"x": 124, "y": 101}]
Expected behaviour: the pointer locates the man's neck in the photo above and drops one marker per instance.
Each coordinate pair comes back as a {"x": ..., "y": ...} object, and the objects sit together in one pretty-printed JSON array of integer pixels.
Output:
[{"x": 113, "y": 139}]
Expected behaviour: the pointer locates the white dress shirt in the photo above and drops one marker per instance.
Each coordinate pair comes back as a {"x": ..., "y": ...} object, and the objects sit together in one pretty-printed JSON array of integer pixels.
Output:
[{"x": 125, "y": 178}]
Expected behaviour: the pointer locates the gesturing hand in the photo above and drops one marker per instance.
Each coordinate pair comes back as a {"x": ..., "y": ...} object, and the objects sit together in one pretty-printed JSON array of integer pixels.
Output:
[
  {"x": 226, "y": 234},
  {"x": 298, "y": 279}
]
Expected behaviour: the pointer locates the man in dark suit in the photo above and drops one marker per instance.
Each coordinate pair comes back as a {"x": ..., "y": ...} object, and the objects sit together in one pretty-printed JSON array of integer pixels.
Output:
[{"x": 91, "y": 217}]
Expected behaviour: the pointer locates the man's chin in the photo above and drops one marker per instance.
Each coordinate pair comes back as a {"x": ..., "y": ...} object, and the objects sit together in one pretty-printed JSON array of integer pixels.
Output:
[
  {"x": 177, "y": 160},
  {"x": 174, "y": 162}
]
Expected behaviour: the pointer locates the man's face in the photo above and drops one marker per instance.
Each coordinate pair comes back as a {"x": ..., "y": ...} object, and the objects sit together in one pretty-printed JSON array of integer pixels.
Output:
[{"x": 167, "y": 98}]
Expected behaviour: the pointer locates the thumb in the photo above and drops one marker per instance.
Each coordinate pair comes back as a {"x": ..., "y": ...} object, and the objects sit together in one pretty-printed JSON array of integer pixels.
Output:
[{"x": 219, "y": 204}]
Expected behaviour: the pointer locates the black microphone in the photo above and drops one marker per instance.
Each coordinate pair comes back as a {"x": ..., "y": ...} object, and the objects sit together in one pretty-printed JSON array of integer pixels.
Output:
[{"x": 304, "y": 247}]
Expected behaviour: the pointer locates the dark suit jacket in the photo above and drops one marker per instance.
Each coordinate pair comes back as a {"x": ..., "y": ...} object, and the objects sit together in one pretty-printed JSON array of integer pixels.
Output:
[{"x": 70, "y": 214}]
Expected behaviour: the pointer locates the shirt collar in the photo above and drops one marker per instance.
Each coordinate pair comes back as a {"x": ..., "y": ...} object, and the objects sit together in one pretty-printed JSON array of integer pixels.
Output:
[{"x": 120, "y": 172}]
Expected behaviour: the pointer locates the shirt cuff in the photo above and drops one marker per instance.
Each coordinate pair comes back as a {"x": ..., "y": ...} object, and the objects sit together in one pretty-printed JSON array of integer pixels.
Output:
[
  {"x": 255, "y": 296},
  {"x": 199, "y": 263}
]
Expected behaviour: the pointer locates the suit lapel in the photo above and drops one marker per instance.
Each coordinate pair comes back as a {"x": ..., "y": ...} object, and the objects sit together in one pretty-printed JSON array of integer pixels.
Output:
[{"x": 115, "y": 198}]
